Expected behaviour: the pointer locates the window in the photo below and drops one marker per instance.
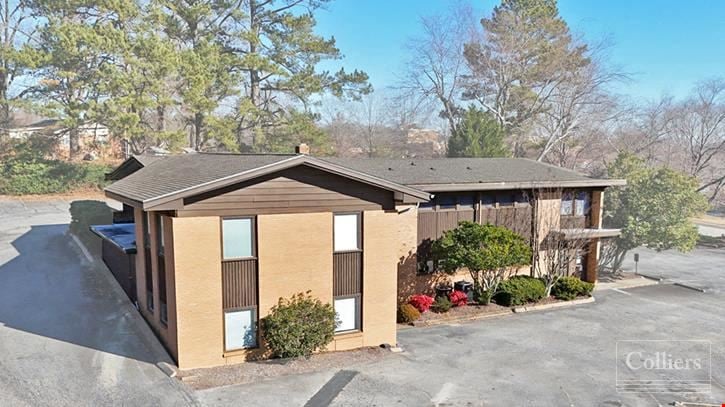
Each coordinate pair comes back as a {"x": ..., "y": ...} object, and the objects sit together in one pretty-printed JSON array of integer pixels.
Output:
[
  {"x": 466, "y": 201},
  {"x": 348, "y": 311},
  {"x": 237, "y": 238},
  {"x": 146, "y": 229},
  {"x": 160, "y": 233},
  {"x": 581, "y": 206},
  {"x": 488, "y": 201},
  {"x": 240, "y": 329},
  {"x": 447, "y": 202},
  {"x": 523, "y": 198},
  {"x": 506, "y": 199},
  {"x": 567, "y": 203},
  {"x": 346, "y": 232}
]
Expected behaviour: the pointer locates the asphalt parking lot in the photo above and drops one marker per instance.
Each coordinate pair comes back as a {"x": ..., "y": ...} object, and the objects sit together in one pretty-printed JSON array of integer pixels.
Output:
[{"x": 68, "y": 337}]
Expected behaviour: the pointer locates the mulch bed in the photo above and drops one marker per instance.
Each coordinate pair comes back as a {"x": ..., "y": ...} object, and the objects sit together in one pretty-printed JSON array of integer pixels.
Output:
[
  {"x": 248, "y": 372},
  {"x": 465, "y": 312},
  {"x": 475, "y": 311}
]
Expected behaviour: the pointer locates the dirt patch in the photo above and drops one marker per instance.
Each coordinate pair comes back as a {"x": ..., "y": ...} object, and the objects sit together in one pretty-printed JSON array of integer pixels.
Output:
[
  {"x": 462, "y": 313},
  {"x": 248, "y": 372}
]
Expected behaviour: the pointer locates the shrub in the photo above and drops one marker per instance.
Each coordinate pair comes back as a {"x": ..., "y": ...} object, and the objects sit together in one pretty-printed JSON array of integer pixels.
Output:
[
  {"x": 519, "y": 290},
  {"x": 407, "y": 314},
  {"x": 458, "y": 298},
  {"x": 441, "y": 305},
  {"x": 40, "y": 176},
  {"x": 568, "y": 288},
  {"x": 298, "y": 326},
  {"x": 421, "y": 302}
]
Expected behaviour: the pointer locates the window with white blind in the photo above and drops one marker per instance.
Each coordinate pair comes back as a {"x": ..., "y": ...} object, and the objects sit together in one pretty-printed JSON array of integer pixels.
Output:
[
  {"x": 240, "y": 329},
  {"x": 348, "y": 314},
  {"x": 237, "y": 238},
  {"x": 346, "y": 232}
]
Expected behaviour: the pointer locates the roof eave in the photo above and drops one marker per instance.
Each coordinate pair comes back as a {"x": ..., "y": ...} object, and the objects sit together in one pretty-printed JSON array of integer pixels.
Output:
[
  {"x": 498, "y": 186},
  {"x": 148, "y": 204}
]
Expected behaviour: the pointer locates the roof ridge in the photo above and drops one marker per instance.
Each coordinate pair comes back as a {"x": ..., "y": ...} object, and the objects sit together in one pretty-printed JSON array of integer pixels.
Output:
[{"x": 243, "y": 154}]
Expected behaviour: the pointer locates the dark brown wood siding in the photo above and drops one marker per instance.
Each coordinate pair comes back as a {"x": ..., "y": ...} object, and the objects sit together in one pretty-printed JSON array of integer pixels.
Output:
[
  {"x": 147, "y": 270},
  {"x": 122, "y": 266},
  {"x": 239, "y": 283},
  {"x": 517, "y": 216},
  {"x": 162, "y": 278},
  {"x": 347, "y": 273},
  {"x": 296, "y": 190}
]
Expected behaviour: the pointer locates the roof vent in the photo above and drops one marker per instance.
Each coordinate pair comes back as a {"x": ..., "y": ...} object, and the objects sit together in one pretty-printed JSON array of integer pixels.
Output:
[
  {"x": 412, "y": 163},
  {"x": 390, "y": 168},
  {"x": 468, "y": 168},
  {"x": 432, "y": 168}
]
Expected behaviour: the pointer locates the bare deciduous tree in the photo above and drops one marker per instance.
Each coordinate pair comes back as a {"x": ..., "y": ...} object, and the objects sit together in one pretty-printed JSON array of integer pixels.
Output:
[
  {"x": 699, "y": 128},
  {"x": 437, "y": 65}
]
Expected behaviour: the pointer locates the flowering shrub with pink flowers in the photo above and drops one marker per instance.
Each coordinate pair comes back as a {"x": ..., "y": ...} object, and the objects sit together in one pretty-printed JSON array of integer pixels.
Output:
[
  {"x": 421, "y": 302},
  {"x": 458, "y": 298}
]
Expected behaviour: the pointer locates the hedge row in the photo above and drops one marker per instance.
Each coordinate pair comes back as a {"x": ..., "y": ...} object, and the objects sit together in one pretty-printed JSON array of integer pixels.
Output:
[{"x": 19, "y": 177}]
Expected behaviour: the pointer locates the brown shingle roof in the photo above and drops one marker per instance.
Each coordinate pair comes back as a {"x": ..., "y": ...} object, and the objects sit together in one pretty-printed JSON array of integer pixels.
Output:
[
  {"x": 172, "y": 175},
  {"x": 175, "y": 173},
  {"x": 433, "y": 173}
]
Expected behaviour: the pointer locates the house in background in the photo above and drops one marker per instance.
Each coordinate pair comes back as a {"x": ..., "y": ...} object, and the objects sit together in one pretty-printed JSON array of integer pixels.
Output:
[
  {"x": 219, "y": 238},
  {"x": 94, "y": 138}
]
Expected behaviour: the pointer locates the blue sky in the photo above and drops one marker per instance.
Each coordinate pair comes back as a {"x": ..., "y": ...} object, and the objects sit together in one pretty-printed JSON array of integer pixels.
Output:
[{"x": 667, "y": 46}]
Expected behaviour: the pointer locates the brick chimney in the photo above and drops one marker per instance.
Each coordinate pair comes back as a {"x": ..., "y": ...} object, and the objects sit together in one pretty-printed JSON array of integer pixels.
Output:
[{"x": 302, "y": 149}]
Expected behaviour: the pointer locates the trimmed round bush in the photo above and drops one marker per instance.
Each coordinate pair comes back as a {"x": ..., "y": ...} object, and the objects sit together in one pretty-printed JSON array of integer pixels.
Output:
[
  {"x": 458, "y": 298},
  {"x": 568, "y": 288},
  {"x": 298, "y": 326},
  {"x": 421, "y": 302},
  {"x": 519, "y": 290},
  {"x": 407, "y": 314},
  {"x": 441, "y": 305}
]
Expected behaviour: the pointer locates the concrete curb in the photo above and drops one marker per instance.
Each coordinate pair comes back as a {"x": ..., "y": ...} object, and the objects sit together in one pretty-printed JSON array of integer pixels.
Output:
[
  {"x": 658, "y": 279},
  {"x": 460, "y": 319},
  {"x": 553, "y": 305},
  {"x": 510, "y": 311},
  {"x": 690, "y": 287},
  {"x": 168, "y": 368}
]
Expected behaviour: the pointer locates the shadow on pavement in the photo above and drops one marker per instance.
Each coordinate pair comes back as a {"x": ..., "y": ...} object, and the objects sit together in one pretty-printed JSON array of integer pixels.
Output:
[{"x": 46, "y": 289}]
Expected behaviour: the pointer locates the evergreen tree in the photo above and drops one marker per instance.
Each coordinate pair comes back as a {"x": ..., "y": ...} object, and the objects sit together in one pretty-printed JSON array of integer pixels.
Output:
[{"x": 478, "y": 134}]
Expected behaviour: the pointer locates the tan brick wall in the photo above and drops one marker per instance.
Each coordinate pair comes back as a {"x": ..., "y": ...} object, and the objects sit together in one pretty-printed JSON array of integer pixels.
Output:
[
  {"x": 295, "y": 255},
  {"x": 198, "y": 291},
  {"x": 389, "y": 239}
]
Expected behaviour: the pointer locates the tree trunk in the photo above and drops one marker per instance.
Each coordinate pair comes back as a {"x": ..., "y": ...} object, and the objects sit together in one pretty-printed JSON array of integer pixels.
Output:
[
  {"x": 160, "y": 118},
  {"x": 74, "y": 144},
  {"x": 198, "y": 124}
]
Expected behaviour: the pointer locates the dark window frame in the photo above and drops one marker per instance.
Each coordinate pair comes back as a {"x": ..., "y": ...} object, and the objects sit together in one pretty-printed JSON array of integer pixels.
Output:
[
  {"x": 571, "y": 194},
  {"x": 359, "y": 231},
  {"x": 253, "y": 220},
  {"x": 358, "y": 313},
  {"x": 161, "y": 269}
]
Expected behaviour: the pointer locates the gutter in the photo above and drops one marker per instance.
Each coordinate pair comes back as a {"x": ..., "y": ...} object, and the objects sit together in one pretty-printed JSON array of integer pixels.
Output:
[{"x": 498, "y": 186}]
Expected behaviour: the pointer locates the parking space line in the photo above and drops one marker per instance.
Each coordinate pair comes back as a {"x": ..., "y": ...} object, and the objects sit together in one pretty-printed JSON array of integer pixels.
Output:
[{"x": 621, "y": 291}]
